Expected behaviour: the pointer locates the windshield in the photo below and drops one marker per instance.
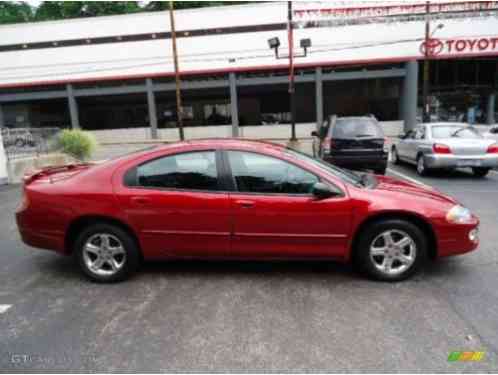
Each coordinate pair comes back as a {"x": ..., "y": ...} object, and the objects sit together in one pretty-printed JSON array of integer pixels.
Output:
[
  {"x": 453, "y": 131},
  {"x": 353, "y": 128},
  {"x": 343, "y": 174}
]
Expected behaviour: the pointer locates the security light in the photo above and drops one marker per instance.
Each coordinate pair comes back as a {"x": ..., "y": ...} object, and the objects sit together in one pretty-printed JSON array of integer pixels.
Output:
[
  {"x": 274, "y": 42},
  {"x": 305, "y": 43}
]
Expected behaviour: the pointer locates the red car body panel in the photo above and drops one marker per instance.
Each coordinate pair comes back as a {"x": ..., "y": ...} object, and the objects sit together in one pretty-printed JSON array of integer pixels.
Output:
[{"x": 226, "y": 224}]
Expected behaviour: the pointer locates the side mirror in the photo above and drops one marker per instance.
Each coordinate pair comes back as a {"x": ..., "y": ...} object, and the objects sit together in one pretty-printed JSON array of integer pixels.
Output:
[
  {"x": 314, "y": 133},
  {"x": 323, "y": 191}
]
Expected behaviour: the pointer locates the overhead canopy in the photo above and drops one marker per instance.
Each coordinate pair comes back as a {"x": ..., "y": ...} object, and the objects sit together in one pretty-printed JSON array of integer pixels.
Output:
[{"x": 235, "y": 38}]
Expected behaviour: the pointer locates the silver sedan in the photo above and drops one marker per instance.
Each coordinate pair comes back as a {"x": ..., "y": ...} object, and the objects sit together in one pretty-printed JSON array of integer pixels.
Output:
[{"x": 446, "y": 146}]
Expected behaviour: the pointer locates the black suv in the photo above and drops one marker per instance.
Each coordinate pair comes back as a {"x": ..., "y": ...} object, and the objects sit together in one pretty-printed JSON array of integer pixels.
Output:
[{"x": 352, "y": 142}]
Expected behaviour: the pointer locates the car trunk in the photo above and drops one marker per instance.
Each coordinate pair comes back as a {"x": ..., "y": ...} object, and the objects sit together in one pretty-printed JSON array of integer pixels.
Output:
[
  {"x": 55, "y": 174},
  {"x": 352, "y": 146},
  {"x": 466, "y": 147}
]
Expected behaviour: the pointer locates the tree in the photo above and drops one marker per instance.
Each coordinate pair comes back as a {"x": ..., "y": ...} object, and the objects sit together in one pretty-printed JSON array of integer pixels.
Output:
[
  {"x": 20, "y": 11},
  {"x": 15, "y": 12},
  {"x": 55, "y": 10}
]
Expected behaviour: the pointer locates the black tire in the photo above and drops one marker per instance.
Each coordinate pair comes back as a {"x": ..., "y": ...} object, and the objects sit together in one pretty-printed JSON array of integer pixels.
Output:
[
  {"x": 364, "y": 262},
  {"x": 421, "y": 171},
  {"x": 395, "y": 156},
  {"x": 19, "y": 143},
  {"x": 480, "y": 172},
  {"x": 132, "y": 253},
  {"x": 381, "y": 171}
]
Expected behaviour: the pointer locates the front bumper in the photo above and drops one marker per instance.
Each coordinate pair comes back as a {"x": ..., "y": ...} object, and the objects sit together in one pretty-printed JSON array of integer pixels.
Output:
[
  {"x": 455, "y": 239},
  {"x": 460, "y": 161}
]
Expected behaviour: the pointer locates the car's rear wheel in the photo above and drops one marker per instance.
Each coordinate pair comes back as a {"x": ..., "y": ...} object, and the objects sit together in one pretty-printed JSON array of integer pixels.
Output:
[
  {"x": 480, "y": 172},
  {"x": 394, "y": 156},
  {"x": 391, "y": 250},
  {"x": 421, "y": 167},
  {"x": 381, "y": 171},
  {"x": 106, "y": 253}
]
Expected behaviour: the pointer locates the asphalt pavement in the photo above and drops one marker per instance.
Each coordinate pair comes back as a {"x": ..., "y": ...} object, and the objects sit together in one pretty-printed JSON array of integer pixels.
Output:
[{"x": 252, "y": 316}]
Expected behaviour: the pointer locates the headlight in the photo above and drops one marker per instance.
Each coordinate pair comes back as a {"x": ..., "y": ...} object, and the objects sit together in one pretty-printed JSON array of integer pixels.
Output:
[{"x": 459, "y": 215}]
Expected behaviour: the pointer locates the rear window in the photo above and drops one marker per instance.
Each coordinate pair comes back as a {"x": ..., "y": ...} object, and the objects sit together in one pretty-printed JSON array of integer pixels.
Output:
[
  {"x": 452, "y": 131},
  {"x": 356, "y": 128}
]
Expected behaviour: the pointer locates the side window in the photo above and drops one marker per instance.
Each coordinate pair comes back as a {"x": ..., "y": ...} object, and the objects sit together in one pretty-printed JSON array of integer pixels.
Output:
[
  {"x": 256, "y": 173},
  {"x": 420, "y": 133},
  {"x": 192, "y": 171},
  {"x": 410, "y": 134}
]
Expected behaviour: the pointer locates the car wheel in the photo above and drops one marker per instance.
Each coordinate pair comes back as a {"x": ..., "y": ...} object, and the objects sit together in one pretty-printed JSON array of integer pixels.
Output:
[
  {"x": 106, "y": 253},
  {"x": 391, "y": 250},
  {"x": 480, "y": 172},
  {"x": 381, "y": 171},
  {"x": 19, "y": 143},
  {"x": 421, "y": 168},
  {"x": 394, "y": 156}
]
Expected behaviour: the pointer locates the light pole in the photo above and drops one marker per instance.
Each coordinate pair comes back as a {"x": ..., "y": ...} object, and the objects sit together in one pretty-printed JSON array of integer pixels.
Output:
[
  {"x": 179, "y": 114},
  {"x": 427, "y": 54},
  {"x": 274, "y": 43}
]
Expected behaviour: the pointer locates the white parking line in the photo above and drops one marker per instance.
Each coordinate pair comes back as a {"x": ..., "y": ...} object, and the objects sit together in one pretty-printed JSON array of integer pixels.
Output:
[
  {"x": 4, "y": 308},
  {"x": 411, "y": 179}
]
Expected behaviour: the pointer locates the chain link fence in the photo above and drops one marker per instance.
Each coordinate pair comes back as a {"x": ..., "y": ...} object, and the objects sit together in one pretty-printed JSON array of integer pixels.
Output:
[{"x": 26, "y": 142}]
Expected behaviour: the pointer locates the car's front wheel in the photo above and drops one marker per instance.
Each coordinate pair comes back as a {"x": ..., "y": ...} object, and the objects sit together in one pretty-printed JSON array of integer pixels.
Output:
[
  {"x": 106, "y": 253},
  {"x": 390, "y": 250}
]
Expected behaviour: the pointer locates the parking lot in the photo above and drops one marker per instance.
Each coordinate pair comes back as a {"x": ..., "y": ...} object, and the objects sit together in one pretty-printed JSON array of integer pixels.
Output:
[{"x": 253, "y": 316}]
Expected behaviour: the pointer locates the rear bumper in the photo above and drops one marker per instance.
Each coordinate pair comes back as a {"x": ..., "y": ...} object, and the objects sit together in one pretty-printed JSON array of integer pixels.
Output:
[
  {"x": 48, "y": 240},
  {"x": 457, "y": 161},
  {"x": 378, "y": 161}
]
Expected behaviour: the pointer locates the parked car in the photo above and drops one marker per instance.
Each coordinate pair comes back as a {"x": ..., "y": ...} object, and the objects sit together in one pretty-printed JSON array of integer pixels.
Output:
[
  {"x": 352, "y": 142},
  {"x": 446, "y": 146},
  {"x": 17, "y": 137},
  {"x": 236, "y": 199},
  {"x": 491, "y": 133}
]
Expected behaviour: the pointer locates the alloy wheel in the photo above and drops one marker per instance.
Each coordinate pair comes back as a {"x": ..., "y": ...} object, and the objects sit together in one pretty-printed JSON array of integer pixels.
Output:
[
  {"x": 393, "y": 252},
  {"x": 104, "y": 254}
]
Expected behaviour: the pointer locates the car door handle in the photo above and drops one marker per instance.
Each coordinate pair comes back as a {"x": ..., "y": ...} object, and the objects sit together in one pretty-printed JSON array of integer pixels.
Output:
[
  {"x": 245, "y": 204},
  {"x": 140, "y": 200}
]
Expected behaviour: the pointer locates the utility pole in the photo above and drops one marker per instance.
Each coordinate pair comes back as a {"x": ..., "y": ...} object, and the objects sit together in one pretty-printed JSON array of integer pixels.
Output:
[
  {"x": 179, "y": 114},
  {"x": 425, "y": 88},
  {"x": 291, "y": 70}
]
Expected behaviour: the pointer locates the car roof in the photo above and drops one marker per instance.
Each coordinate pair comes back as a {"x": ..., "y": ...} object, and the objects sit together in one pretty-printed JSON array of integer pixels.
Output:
[
  {"x": 445, "y": 124},
  {"x": 224, "y": 143}
]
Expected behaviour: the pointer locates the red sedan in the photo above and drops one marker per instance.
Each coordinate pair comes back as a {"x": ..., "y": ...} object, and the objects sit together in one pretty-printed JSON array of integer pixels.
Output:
[{"x": 236, "y": 199}]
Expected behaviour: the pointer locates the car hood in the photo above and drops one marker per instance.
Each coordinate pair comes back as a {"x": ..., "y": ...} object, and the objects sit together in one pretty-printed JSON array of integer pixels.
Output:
[{"x": 385, "y": 183}]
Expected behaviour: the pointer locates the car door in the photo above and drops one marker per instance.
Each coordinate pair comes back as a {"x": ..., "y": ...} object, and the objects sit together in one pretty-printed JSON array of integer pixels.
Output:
[
  {"x": 178, "y": 205},
  {"x": 275, "y": 214}
]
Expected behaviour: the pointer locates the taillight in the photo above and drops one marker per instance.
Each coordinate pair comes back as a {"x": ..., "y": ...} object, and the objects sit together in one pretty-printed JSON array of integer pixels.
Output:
[
  {"x": 439, "y": 148},
  {"x": 386, "y": 145},
  {"x": 24, "y": 201},
  {"x": 493, "y": 149},
  {"x": 327, "y": 144}
]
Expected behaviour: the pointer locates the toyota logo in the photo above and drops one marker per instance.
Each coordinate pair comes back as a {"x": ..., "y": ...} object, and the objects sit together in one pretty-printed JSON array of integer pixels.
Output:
[{"x": 433, "y": 47}]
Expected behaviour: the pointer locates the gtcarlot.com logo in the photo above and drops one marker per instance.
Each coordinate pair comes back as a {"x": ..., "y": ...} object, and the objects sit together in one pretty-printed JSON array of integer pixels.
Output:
[{"x": 466, "y": 356}]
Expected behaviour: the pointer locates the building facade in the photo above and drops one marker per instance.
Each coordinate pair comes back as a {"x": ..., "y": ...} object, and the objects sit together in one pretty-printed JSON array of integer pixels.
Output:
[{"x": 110, "y": 73}]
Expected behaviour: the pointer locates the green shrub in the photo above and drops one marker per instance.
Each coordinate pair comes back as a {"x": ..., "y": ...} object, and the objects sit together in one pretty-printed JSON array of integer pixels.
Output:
[{"x": 77, "y": 143}]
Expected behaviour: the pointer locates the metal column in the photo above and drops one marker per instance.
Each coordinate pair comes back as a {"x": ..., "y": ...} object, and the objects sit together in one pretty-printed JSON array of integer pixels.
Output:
[
  {"x": 73, "y": 107},
  {"x": 490, "y": 115},
  {"x": 409, "y": 98},
  {"x": 234, "y": 107},
  {"x": 319, "y": 97},
  {"x": 2, "y": 121},
  {"x": 151, "y": 103}
]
